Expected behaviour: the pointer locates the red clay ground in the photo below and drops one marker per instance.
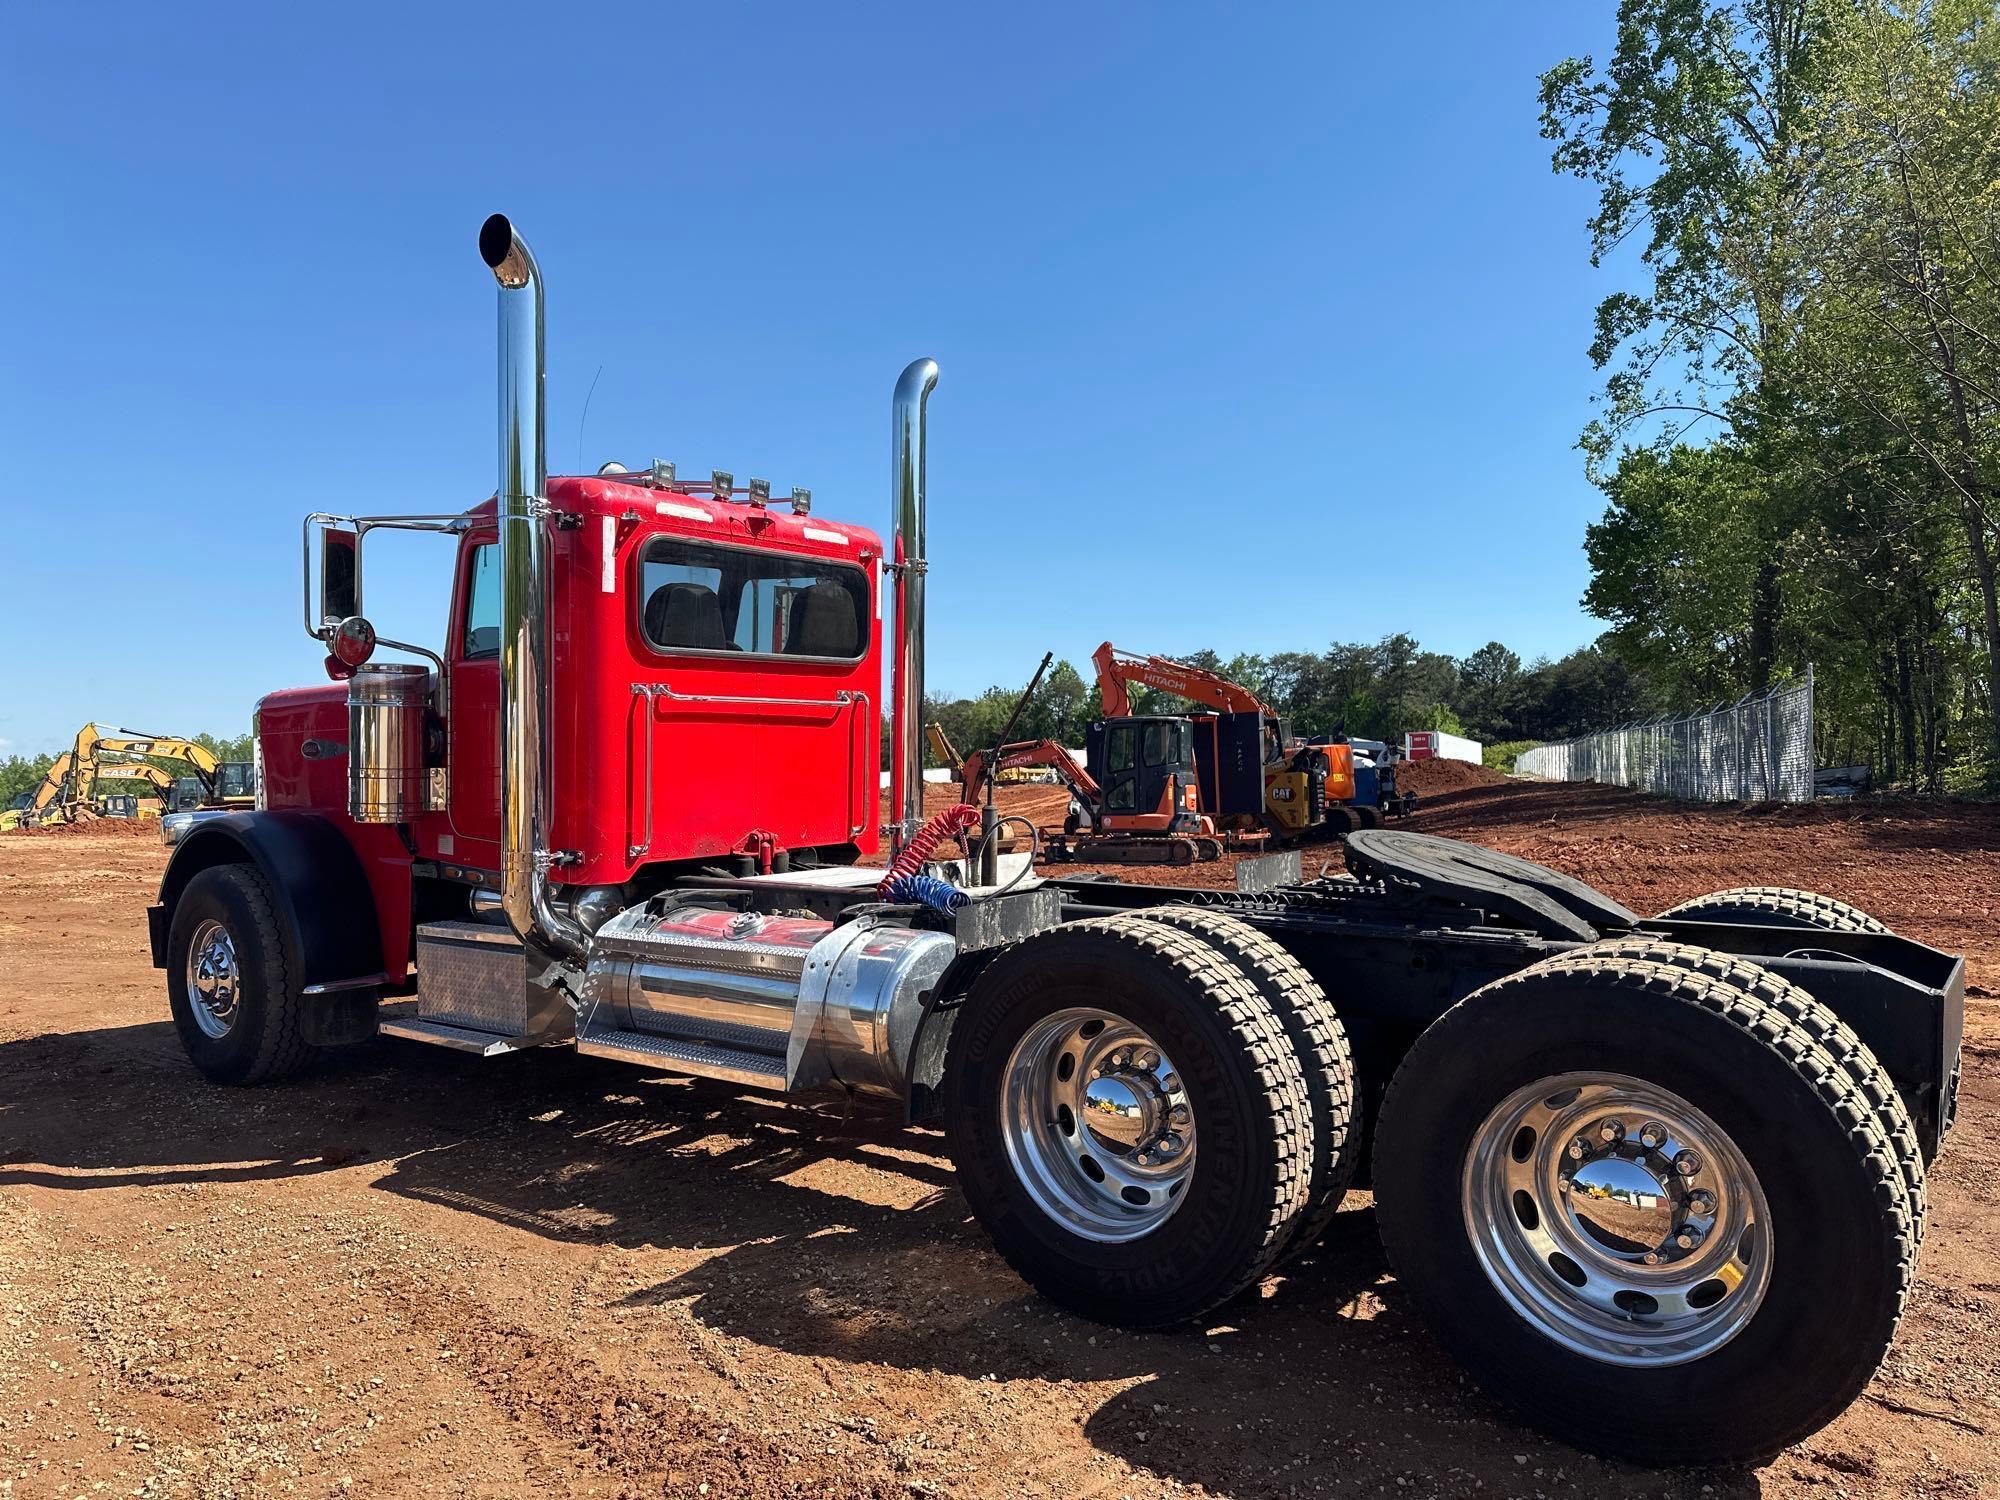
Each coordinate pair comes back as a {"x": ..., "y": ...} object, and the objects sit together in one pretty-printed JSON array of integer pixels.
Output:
[{"x": 412, "y": 1272}]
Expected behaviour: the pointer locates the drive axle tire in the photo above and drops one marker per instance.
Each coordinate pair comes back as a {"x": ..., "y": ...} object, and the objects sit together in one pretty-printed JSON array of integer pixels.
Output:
[
  {"x": 1655, "y": 1211},
  {"x": 1776, "y": 906},
  {"x": 1318, "y": 1039},
  {"x": 1128, "y": 1120},
  {"x": 1892, "y": 1115},
  {"x": 235, "y": 1003}
]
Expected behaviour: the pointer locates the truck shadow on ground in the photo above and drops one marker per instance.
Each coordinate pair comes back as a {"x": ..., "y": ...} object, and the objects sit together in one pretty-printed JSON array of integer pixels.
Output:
[{"x": 814, "y": 1230}]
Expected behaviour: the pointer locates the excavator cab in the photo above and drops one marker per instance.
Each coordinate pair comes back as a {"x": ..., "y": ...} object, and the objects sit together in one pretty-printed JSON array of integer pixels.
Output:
[{"x": 1145, "y": 770}]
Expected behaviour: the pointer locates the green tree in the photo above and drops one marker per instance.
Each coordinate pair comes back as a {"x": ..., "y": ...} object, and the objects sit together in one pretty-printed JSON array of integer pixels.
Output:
[{"x": 1692, "y": 136}]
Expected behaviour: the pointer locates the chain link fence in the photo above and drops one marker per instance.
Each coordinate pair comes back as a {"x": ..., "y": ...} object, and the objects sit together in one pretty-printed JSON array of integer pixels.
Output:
[{"x": 1759, "y": 749}]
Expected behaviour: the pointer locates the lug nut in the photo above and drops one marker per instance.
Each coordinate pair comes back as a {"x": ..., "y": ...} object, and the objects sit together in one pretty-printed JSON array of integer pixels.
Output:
[
  {"x": 1148, "y": 1061},
  {"x": 1652, "y": 1135},
  {"x": 1687, "y": 1163},
  {"x": 1579, "y": 1149},
  {"x": 1118, "y": 1058},
  {"x": 1651, "y": 1257},
  {"x": 1180, "y": 1114},
  {"x": 1611, "y": 1132},
  {"x": 1688, "y": 1238},
  {"x": 1701, "y": 1201}
]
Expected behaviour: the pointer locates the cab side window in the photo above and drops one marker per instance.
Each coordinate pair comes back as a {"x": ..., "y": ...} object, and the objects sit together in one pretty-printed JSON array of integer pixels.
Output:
[
  {"x": 696, "y": 596},
  {"x": 1118, "y": 759},
  {"x": 482, "y": 604}
]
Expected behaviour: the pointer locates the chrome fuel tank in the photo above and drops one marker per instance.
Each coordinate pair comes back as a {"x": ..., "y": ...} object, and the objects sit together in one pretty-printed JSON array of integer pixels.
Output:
[{"x": 782, "y": 1002}]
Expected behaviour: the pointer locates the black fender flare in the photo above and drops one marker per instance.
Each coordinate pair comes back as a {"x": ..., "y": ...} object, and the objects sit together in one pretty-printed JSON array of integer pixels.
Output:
[{"x": 325, "y": 909}]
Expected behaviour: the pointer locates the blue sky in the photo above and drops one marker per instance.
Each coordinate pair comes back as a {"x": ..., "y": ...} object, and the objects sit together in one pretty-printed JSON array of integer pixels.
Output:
[{"x": 1260, "y": 327}]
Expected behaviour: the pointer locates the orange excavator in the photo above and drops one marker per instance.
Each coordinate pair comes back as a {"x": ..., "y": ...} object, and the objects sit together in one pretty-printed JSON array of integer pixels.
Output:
[
  {"x": 1142, "y": 806},
  {"x": 1253, "y": 776}
]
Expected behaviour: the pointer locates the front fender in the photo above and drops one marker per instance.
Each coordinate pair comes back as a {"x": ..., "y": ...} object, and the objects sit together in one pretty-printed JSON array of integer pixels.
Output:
[{"x": 326, "y": 910}]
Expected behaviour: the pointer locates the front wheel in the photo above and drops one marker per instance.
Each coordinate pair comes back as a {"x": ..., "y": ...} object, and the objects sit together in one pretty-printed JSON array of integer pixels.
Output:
[
  {"x": 1128, "y": 1120},
  {"x": 1655, "y": 1211},
  {"x": 234, "y": 1000}
]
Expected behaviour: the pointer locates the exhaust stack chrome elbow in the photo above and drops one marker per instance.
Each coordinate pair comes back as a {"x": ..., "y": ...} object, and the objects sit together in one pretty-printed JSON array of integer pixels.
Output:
[
  {"x": 525, "y": 857},
  {"x": 906, "y": 499}
]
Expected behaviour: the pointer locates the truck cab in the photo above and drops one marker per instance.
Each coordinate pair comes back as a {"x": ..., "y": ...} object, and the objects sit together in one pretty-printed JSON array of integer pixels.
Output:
[{"x": 713, "y": 683}]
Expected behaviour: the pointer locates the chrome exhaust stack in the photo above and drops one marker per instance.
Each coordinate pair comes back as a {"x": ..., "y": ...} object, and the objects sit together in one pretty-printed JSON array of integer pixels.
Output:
[
  {"x": 906, "y": 499},
  {"x": 525, "y": 857}
]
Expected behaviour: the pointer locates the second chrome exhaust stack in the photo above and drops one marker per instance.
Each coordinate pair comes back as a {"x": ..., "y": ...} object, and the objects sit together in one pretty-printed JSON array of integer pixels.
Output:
[{"x": 906, "y": 504}]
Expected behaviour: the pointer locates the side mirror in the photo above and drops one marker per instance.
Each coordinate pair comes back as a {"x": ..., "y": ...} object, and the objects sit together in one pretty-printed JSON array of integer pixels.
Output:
[
  {"x": 339, "y": 578},
  {"x": 353, "y": 641}
]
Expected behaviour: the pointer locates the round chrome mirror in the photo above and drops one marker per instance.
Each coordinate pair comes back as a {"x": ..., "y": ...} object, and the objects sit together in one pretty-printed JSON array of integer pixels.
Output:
[{"x": 353, "y": 641}]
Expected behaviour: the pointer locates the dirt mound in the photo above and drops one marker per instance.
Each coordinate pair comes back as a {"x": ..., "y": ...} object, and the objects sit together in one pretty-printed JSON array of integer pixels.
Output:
[
  {"x": 1429, "y": 777},
  {"x": 110, "y": 827}
]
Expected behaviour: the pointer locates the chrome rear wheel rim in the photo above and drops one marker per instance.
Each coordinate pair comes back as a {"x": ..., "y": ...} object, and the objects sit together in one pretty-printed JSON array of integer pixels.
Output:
[
  {"x": 1097, "y": 1124},
  {"x": 213, "y": 981},
  {"x": 1617, "y": 1219}
]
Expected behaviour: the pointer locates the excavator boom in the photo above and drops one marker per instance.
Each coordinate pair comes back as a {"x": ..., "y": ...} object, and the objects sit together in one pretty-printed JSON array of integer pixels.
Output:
[
  {"x": 975, "y": 768},
  {"x": 1116, "y": 668}
]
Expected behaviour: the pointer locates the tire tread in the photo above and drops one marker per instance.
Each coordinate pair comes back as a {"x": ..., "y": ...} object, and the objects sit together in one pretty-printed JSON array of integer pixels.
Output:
[
  {"x": 1317, "y": 1037},
  {"x": 1790, "y": 908}
]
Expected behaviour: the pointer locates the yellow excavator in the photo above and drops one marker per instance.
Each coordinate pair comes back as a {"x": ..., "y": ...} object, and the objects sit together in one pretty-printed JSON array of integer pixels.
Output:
[
  {"x": 69, "y": 792},
  {"x": 162, "y": 783}
]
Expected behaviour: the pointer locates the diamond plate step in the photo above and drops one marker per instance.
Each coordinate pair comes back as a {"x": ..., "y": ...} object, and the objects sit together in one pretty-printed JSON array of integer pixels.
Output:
[
  {"x": 403, "y": 1021},
  {"x": 702, "y": 1060}
]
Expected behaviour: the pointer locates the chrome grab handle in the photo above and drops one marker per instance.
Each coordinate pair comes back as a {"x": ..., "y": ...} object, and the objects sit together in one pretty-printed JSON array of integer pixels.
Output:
[
  {"x": 841, "y": 699},
  {"x": 653, "y": 691},
  {"x": 863, "y": 718},
  {"x": 647, "y": 691}
]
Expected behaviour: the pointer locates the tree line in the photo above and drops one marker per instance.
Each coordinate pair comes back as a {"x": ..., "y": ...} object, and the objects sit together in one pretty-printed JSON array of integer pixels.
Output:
[
  {"x": 1378, "y": 691},
  {"x": 1799, "y": 428}
]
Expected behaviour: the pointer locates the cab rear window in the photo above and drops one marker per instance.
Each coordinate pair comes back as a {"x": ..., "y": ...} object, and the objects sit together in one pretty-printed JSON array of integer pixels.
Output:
[{"x": 694, "y": 596}]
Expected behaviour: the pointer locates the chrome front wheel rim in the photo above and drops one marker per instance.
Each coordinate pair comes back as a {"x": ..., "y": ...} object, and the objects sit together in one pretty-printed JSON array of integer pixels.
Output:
[
  {"x": 213, "y": 981},
  {"x": 1097, "y": 1124},
  {"x": 1617, "y": 1219}
]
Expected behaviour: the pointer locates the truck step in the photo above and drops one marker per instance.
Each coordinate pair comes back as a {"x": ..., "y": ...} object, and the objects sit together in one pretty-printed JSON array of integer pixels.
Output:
[
  {"x": 403, "y": 1021},
  {"x": 679, "y": 1055}
]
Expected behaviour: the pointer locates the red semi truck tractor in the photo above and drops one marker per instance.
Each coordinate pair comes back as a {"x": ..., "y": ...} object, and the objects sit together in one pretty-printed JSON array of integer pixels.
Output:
[{"x": 1658, "y": 1182}]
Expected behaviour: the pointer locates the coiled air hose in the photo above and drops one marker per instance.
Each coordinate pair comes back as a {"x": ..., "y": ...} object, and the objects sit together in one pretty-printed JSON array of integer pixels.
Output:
[
  {"x": 927, "y": 890},
  {"x": 910, "y": 861}
]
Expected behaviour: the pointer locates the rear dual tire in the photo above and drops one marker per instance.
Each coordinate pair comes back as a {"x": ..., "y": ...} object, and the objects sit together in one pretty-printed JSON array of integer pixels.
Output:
[
  {"x": 1776, "y": 906},
  {"x": 1489, "y": 1222},
  {"x": 1144, "y": 1171}
]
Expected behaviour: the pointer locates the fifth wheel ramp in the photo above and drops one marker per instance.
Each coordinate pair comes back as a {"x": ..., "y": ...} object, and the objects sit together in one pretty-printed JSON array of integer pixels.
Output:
[{"x": 1543, "y": 900}]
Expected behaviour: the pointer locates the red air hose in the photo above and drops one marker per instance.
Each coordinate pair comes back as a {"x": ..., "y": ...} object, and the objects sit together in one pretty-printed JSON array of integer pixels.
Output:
[{"x": 954, "y": 819}]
